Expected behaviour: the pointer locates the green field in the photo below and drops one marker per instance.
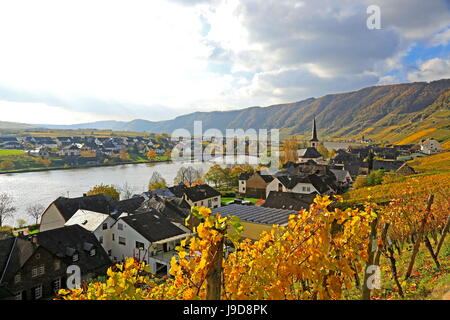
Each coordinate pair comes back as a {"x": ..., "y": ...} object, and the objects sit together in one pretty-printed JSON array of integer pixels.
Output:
[{"x": 7, "y": 153}]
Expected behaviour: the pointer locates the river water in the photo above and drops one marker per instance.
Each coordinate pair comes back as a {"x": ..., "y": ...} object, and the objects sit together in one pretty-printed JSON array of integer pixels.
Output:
[{"x": 44, "y": 187}]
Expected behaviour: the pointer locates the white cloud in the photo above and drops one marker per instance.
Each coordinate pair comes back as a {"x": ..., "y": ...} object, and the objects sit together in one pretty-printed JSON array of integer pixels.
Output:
[
  {"x": 117, "y": 59},
  {"x": 430, "y": 70}
]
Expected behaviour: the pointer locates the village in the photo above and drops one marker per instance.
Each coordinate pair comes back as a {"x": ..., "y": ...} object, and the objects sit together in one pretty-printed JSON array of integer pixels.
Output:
[{"x": 96, "y": 231}]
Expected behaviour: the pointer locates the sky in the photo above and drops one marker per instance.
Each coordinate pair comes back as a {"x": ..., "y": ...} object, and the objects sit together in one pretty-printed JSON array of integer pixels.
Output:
[{"x": 65, "y": 62}]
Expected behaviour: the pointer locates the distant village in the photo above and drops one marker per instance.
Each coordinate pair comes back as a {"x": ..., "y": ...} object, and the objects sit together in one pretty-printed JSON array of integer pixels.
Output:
[{"x": 96, "y": 231}]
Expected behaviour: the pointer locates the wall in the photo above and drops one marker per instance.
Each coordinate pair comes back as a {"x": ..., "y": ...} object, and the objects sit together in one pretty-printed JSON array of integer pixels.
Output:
[{"x": 51, "y": 219}]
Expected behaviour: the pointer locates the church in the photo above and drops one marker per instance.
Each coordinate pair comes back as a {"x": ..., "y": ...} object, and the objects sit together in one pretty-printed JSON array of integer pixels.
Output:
[{"x": 311, "y": 153}]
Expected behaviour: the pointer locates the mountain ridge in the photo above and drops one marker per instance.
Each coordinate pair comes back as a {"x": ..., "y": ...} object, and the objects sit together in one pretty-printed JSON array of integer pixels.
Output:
[{"x": 372, "y": 111}]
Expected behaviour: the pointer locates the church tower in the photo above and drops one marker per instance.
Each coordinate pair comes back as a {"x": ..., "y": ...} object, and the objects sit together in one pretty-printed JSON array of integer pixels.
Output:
[{"x": 314, "y": 141}]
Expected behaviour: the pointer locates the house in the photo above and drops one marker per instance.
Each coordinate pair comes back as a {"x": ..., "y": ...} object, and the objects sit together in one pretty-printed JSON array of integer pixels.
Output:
[
  {"x": 35, "y": 267},
  {"x": 243, "y": 177},
  {"x": 305, "y": 184},
  {"x": 62, "y": 209},
  {"x": 256, "y": 219},
  {"x": 74, "y": 245},
  {"x": 162, "y": 192},
  {"x": 149, "y": 237},
  {"x": 343, "y": 177},
  {"x": 173, "y": 208},
  {"x": 45, "y": 142},
  {"x": 28, "y": 271},
  {"x": 99, "y": 224},
  {"x": 199, "y": 195},
  {"x": 430, "y": 146},
  {"x": 289, "y": 200},
  {"x": 405, "y": 170},
  {"x": 388, "y": 165},
  {"x": 256, "y": 185},
  {"x": 71, "y": 151}
]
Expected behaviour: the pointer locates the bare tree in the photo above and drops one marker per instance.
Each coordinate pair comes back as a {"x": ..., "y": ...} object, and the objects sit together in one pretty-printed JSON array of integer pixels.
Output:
[
  {"x": 126, "y": 191},
  {"x": 156, "y": 181},
  {"x": 35, "y": 211},
  {"x": 188, "y": 175},
  {"x": 6, "y": 207}
]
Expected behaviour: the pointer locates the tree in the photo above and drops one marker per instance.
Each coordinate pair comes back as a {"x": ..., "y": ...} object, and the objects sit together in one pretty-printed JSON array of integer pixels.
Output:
[
  {"x": 214, "y": 175},
  {"x": 151, "y": 154},
  {"x": 323, "y": 151},
  {"x": 290, "y": 153},
  {"x": 156, "y": 181},
  {"x": 35, "y": 211},
  {"x": 6, "y": 207},
  {"x": 7, "y": 165},
  {"x": 21, "y": 222},
  {"x": 188, "y": 176},
  {"x": 106, "y": 190},
  {"x": 126, "y": 191}
]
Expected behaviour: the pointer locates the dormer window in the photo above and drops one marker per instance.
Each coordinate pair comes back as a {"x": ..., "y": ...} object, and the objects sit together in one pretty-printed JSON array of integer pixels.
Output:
[
  {"x": 92, "y": 252},
  {"x": 105, "y": 226},
  {"x": 75, "y": 257}
]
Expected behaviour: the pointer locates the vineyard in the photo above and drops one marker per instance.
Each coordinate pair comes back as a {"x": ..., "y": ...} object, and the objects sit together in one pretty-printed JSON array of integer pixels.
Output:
[{"x": 322, "y": 253}]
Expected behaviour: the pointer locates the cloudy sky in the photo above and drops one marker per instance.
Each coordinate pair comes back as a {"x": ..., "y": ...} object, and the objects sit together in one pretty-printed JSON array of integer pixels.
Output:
[{"x": 66, "y": 62}]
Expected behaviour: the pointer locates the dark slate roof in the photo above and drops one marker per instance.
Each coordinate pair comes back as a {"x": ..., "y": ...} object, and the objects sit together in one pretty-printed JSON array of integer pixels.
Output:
[
  {"x": 309, "y": 152},
  {"x": 387, "y": 165},
  {"x": 244, "y": 176},
  {"x": 128, "y": 205},
  {"x": 289, "y": 200},
  {"x": 152, "y": 226},
  {"x": 175, "y": 209},
  {"x": 196, "y": 193},
  {"x": 63, "y": 242},
  {"x": 320, "y": 183},
  {"x": 98, "y": 203},
  {"x": 14, "y": 252},
  {"x": 266, "y": 177},
  {"x": 256, "y": 214},
  {"x": 162, "y": 192}
]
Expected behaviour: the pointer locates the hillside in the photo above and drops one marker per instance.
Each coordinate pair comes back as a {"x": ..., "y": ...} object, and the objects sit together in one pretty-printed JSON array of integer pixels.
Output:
[{"x": 402, "y": 113}]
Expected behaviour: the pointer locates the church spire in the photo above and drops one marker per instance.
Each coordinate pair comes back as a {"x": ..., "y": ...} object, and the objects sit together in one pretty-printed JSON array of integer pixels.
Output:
[{"x": 314, "y": 139}]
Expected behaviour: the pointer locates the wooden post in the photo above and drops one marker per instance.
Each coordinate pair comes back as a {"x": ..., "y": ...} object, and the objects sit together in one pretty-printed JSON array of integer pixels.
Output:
[
  {"x": 214, "y": 276},
  {"x": 441, "y": 240},
  {"x": 419, "y": 237},
  {"x": 370, "y": 252}
]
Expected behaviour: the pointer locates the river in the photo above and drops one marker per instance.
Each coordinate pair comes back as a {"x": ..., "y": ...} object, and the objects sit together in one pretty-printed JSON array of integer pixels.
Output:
[{"x": 44, "y": 187}]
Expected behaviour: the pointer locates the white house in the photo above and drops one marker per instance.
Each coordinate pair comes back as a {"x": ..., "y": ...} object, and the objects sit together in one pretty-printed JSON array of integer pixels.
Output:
[
  {"x": 430, "y": 146},
  {"x": 98, "y": 223},
  {"x": 305, "y": 184},
  {"x": 149, "y": 237},
  {"x": 199, "y": 195}
]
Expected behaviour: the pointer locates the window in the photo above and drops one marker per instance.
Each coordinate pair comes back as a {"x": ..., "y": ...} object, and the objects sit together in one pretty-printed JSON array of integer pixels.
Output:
[
  {"x": 109, "y": 252},
  {"x": 56, "y": 284},
  {"x": 105, "y": 226},
  {"x": 18, "y": 296},
  {"x": 209, "y": 203},
  {"x": 75, "y": 257},
  {"x": 120, "y": 226},
  {"x": 140, "y": 245},
  {"x": 57, "y": 264},
  {"x": 100, "y": 239},
  {"x": 122, "y": 240},
  {"x": 113, "y": 237},
  {"x": 34, "y": 272},
  {"x": 92, "y": 252},
  {"x": 37, "y": 292},
  {"x": 18, "y": 278}
]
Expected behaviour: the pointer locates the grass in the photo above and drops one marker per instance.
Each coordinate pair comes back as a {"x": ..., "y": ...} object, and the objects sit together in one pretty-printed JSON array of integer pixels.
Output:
[
  {"x": 8, "y": 153},
  {"x": 427, "y": 282}
]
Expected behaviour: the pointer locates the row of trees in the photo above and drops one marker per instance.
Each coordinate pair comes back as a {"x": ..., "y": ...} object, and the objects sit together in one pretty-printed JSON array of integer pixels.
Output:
[
  {"x": 226, "y": 176},
  {"x": 7, "y": 210}
]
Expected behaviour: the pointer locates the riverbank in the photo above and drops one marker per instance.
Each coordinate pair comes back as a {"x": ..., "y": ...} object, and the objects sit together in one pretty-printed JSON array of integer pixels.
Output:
[{"x": 81, "y": 167}]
